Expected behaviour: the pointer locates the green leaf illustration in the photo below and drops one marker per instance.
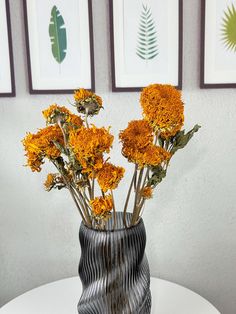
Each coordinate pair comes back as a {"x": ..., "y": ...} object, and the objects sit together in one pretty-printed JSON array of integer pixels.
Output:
[
  {"x": 229, "y": 28},
  {"x": 147, "y": 38},
  {"x": 57, "y": 33}
]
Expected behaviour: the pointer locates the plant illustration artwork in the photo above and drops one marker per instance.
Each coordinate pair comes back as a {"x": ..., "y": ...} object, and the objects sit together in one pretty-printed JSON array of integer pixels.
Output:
[
  {"x": 229, "y": 28},
  {"x": 147, "y": 48},
  {"x": 58, "y": 37}
]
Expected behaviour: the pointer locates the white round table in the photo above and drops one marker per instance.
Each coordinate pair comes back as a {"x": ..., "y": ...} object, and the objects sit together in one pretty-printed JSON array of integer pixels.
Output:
[{"x": 61, "y": 297}]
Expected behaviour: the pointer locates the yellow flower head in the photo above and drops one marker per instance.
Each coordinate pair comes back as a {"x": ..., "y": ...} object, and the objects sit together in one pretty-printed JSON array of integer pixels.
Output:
[
  {"x": 101, "y": 206},
  {"x": 147, "y": 192},
  {"x": 92, "y": 165},
  {"x": 74, "y": 121},
  {"x": 149, "y": 156},
  {"x": 88, "y": 145},
  {"x": 49, "y": 183},
  {"x": 87, "y": 101},
  {"x": 138, "y": 134},
  {"x": 55, "y": 113},
  {"x": 163, "y": 108},
  {"x": 109, "y": 176},
  {"x": 41, "y": 145},
  {"x": 54, "y": 180},
  {"x": 34, "y": 161}
]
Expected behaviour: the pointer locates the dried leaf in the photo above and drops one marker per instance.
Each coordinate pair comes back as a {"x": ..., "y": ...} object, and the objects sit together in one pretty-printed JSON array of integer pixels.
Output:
[
  {"x": 158, "y": 174},
  {"x": 180, "y": 140}
]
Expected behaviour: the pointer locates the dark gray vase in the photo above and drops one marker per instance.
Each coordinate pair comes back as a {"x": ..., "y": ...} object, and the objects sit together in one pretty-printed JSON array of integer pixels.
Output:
[{"x": 114, "y": 270}]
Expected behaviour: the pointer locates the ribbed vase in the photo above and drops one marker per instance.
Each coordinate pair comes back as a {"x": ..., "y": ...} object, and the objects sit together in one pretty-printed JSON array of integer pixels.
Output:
[{"x": 114, "y": 270}]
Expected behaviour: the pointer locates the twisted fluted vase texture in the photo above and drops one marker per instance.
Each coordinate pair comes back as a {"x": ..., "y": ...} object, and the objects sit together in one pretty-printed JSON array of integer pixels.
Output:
[{"x": 114, "y": 270}]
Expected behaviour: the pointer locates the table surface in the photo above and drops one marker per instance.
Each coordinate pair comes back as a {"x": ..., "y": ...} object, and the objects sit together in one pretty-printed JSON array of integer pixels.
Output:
[{"x": 61, "y": 297}]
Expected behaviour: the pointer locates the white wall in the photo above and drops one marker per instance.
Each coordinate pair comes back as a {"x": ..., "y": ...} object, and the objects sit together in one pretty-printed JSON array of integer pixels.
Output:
[{"x": 191, "y": 222}]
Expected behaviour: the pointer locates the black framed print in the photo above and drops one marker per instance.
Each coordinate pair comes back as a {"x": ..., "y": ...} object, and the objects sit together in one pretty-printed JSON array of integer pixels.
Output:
[
  {"x": 218, "y": 41},
  {"x": 146, "y": 43},
  {"x": 7, "y": 79},
  {"x": 59, "y": 41}
]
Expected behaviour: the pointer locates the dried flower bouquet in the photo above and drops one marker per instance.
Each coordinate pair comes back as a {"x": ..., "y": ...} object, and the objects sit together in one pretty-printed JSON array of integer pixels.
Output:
[{"x": 78, "y": 151}]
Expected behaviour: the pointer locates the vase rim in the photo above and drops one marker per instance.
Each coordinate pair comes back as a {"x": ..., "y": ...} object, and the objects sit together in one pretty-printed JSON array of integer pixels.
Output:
[{"x": 115, "y": 230}]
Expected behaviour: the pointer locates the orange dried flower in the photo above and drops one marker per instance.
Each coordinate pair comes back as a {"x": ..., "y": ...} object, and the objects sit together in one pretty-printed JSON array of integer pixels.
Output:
[
  {"x": 149, "y": 156},
  {"x": 83, "y": 94},
  {"x": 138, "y": 134},
  {"x": 102, "y": 206},
  {"x": 74, "y": 120},
  {"x": 87, "y": 101},
  {"x": 109, "y": 176},
  {"x": 49, "y": 183},
  {"x": 55, "y": 112},
  {"x": 92, "y": 164},
  {"x": 41, "y": 145},
  {"x": 163, "y": 108},
  {"x": 54, "y": 180},
  {"x": 88, "y": 145},
  {"x": 147, "y": 192},
  {"x": 34, "y": 161}
]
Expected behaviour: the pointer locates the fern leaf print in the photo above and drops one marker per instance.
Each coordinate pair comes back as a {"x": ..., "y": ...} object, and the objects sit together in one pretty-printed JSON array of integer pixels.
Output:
[
  {"x": 57, "y": 33},
  {"x": 147, "y": 48},
  {"x": 229, "y": 28}
]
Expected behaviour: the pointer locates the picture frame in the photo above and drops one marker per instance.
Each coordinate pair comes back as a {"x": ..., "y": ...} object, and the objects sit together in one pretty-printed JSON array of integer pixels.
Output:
[
  {"x": 7, "y": 77},
  {"x": 60, "y": 53},
  {"x": 161, "y": 61},
  {"x": 218, "y": 50}
]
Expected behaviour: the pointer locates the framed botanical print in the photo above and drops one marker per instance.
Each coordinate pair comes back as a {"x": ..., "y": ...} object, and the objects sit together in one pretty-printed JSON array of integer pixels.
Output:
[
  {"x": 218, "y": 51},
  {"x": 59, "y": 41},
  {"x": 146, "y": 43},
  {"x": 7, "y": 80}
]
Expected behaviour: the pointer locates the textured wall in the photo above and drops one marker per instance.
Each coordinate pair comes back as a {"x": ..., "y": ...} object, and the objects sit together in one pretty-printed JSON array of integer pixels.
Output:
[{"x": 191, "y": 221}]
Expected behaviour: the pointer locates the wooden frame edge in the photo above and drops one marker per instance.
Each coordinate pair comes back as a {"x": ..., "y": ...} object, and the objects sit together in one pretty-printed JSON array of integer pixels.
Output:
[
  {"x": 33, "y": 91},
  {"x": 204, "y": 85},
  {"x": 11, "y": 59},
  {"x": 113, "y": 70}
]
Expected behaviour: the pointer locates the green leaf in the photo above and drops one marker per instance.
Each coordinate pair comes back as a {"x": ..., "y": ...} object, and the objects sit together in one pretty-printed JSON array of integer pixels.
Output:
[
  {"x": 141, "y": 55},
  {"x": 151, "y": 28},
  {"x": 57, "y": 33},
  {"x": 158, "y": 174},
  {"x": 153, "y": 34},
  {"x": 152, "y": 49},
  {"x": 180, "y": 140},
  {"x": 151, "y": 41},
  {"x": 153, "y": 56},
  {"x": 147, "y": 48},
  {"x": 141, "y": 50}
]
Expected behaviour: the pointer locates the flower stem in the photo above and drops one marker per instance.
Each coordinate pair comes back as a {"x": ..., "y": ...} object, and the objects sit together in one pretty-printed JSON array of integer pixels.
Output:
[
  {"x": 86, "y": 117},
  {"x": 140, "y": 209},
  {"x": 75, "y": 200},
  {"x": 71, "y": 191},
  {"x": 93, "y": 184},
  {"x": 114, "y": 211},
  {"x": 89, "y": 187},
  {"x": 134, "y": 216},
  {"x": 63, "y": 133},
  {"x": 143, "y": 185},
  {"x": 84, "y": 206},
  {"x": 128, "y": 195}
]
